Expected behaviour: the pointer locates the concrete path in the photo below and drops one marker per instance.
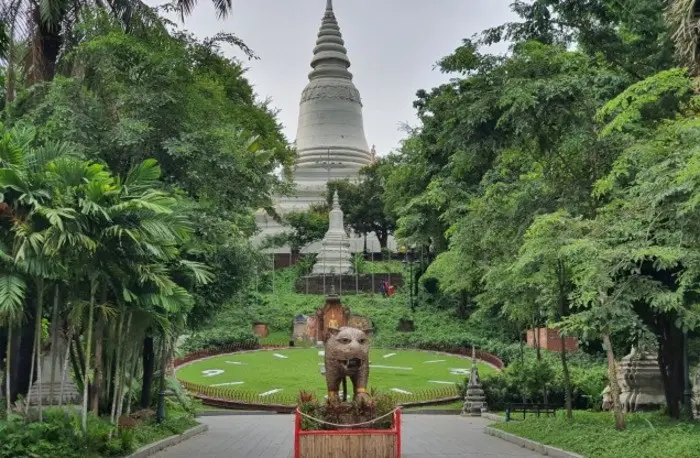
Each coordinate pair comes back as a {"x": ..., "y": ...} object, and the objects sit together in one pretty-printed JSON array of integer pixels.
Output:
[{"x": 271, "y": 436}]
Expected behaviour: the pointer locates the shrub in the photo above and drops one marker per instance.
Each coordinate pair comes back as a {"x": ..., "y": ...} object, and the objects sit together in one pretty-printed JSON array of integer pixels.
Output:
[
  {"x": 527, "y": 381},
  {"x": 378, "y": 407},
  {"x": 218, "y": 337}
]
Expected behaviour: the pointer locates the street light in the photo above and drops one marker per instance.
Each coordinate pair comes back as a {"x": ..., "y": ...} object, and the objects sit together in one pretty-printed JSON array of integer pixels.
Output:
[{"x": 408, "y": 263}]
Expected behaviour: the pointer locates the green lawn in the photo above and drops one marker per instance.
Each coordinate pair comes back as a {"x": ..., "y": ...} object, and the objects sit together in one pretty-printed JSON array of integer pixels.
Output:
[
  {"x": 593, "y": 434},
  {"x": 261, "y": 371}
]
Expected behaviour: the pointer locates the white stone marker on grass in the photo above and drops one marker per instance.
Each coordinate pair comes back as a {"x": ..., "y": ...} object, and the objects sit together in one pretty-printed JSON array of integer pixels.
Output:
[
  {"x": 321, "y": 353},
  {"x": 460, "y": 371},
  {"x": 398, "y": 368},
  {"x": 396, "y": 390},
  {"x": 228, "y": 384},
  {"x": 237, "y": 363},
  {"x": 389, "y": 355},
  {"x": 267, "y": 393},
  {"x": 212, "y": 372},
  {"x": 277, "y": 355},
  {"x": 441, "y": 382},
  {"x": 434, "y": 361}
]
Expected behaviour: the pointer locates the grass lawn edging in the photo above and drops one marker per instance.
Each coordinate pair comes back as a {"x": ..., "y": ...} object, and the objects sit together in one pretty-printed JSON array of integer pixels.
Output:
[
  {"x": 546, "y": 450},
  {"x": 155, "y": 447}
]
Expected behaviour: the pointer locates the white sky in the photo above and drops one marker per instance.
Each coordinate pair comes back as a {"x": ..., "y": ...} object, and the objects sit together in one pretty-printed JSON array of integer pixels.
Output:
[{"x": 392, "y": 44}]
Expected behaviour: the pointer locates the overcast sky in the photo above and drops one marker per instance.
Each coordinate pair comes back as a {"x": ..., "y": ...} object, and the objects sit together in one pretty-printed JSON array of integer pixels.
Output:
[{"x": 392, "y": 44}]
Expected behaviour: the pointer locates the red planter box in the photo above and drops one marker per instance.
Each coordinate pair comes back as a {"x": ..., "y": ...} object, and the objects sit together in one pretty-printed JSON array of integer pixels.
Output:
[{"x": 349, "y": 442}]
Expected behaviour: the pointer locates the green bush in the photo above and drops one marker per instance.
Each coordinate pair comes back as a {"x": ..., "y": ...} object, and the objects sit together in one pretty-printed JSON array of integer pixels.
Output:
[
  {"x": 218, "y": 337},
  {"x": 60, "y": 435},
  {"x": 527, "y": 381}
]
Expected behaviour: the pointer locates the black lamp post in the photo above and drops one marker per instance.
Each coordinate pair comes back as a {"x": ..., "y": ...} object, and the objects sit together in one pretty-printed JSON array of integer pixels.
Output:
[{"x": 408, "y": 263}]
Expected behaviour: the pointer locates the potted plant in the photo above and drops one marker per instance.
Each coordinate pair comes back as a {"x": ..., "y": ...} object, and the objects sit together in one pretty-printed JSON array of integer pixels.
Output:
[{"x": 354, "y": 429}]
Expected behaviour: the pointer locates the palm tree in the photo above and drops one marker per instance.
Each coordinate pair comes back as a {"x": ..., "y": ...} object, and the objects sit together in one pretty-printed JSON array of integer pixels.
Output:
[
  {"x": 683, "y": 17},
  {"x": 47, "y": 24}
]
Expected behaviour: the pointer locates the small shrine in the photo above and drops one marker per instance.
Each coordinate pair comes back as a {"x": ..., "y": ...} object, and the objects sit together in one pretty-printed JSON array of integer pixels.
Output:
[
  {"x": 334, "y": 257},
  {"x": 475, "y": 398},
  {"x": 641, "y": 383},
  {"x": 333, "y": 315}
]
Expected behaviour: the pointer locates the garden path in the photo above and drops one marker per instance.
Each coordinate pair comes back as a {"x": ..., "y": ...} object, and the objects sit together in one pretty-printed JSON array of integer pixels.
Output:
[{"x": 271, "y": 436}]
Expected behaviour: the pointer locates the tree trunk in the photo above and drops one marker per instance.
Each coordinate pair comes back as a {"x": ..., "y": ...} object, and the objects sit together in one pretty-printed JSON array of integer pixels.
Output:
[
  {"x": 117, "y": 379},
  {"x": 88, "y": 352},
  {"x": 132, "y": 377},
  {"x": 567, "y": 382},
  {"x": 50, "y": 41},
  {"x": 37, "y": 335},
  {"x": 614, "y": 387},
  {"x": 670, "y": 360},
  {"x": 64, "y": 370},
  {"x": 54, "y": 340},
  {"x": 8, "y": 371},
  {"x": 383, "y": 237},
  {"x": 77, "y": 362},
  {"x": 564, "y": 311},
  {"x": 23, "y": 365},
  {"x": 99, "y": 365},
  {"x": 148, "y": 368}
]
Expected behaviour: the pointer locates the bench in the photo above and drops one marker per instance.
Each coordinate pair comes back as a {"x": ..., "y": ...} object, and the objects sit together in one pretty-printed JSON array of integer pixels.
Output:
[{"x": 537, "y": 409}]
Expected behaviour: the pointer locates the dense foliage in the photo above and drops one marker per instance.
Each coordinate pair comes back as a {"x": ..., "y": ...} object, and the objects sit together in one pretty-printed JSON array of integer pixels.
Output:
[
  {"x": 556, "y": 183},
  {"x": 128, "y": 181}
]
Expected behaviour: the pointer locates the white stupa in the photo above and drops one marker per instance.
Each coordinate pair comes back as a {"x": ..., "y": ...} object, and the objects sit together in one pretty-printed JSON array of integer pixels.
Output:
[
  {"x": 334, "y": 256},
  {"x": 331, "y": 142}
]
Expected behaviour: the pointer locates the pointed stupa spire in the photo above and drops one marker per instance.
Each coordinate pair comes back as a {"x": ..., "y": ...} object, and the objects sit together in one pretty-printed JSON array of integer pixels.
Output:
[
  {"x": 330, "y": 55},
  {"x": 336, "y": 202}
]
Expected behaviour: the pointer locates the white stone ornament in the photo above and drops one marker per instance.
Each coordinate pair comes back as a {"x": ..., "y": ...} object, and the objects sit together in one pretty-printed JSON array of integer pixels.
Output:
[
  {"x": 335, "y": 256},
  {"x": 212, "y": 372}
]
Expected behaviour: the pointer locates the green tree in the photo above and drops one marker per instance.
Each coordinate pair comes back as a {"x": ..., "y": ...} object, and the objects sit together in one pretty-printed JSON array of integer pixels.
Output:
[{"x": 363, "y": 202}]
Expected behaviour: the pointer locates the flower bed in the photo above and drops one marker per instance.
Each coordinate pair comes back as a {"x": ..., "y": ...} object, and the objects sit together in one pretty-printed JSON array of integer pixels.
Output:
[{"x": 347, "y": 442}]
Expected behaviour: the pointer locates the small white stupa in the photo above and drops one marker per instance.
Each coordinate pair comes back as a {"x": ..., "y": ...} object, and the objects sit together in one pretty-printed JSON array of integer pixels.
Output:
[{"x": 334, "y": 257}]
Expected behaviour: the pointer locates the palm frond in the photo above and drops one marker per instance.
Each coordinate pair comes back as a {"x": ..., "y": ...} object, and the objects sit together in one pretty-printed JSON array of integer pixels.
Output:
[
  {"x": 12, "y": 293},
  {"x": 201, "y": 272},
  {"x": 143, "y": 176}
]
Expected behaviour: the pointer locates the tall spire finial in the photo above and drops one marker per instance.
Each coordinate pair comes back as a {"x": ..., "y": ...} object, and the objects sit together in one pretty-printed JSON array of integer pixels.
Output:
[
  {"x": 336, "y": 203},
  {"x": 330, "y": 56}
]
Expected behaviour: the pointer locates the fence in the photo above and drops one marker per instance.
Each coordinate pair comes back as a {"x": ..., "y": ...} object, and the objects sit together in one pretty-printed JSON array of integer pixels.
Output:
[
  {"x": 346, "y": 284},
  {"x": 285, "y": 402},
  {"x": 224, "y": 396}
]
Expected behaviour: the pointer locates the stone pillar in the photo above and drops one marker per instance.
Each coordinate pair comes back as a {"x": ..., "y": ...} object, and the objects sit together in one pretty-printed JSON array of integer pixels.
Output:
[{"x": 475, "y": 399}]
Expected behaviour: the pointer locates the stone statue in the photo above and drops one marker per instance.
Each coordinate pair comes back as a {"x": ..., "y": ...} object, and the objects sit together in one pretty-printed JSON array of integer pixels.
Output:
[{"x": 347, "y": 355}]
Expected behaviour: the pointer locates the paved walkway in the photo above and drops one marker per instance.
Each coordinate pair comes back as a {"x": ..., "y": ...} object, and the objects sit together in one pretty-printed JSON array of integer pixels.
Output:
[{"x": 271, "y": 436}]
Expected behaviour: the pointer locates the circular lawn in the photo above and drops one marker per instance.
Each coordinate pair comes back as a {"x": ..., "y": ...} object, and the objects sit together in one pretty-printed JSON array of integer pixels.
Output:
[{"x": 264, "y": 375}]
